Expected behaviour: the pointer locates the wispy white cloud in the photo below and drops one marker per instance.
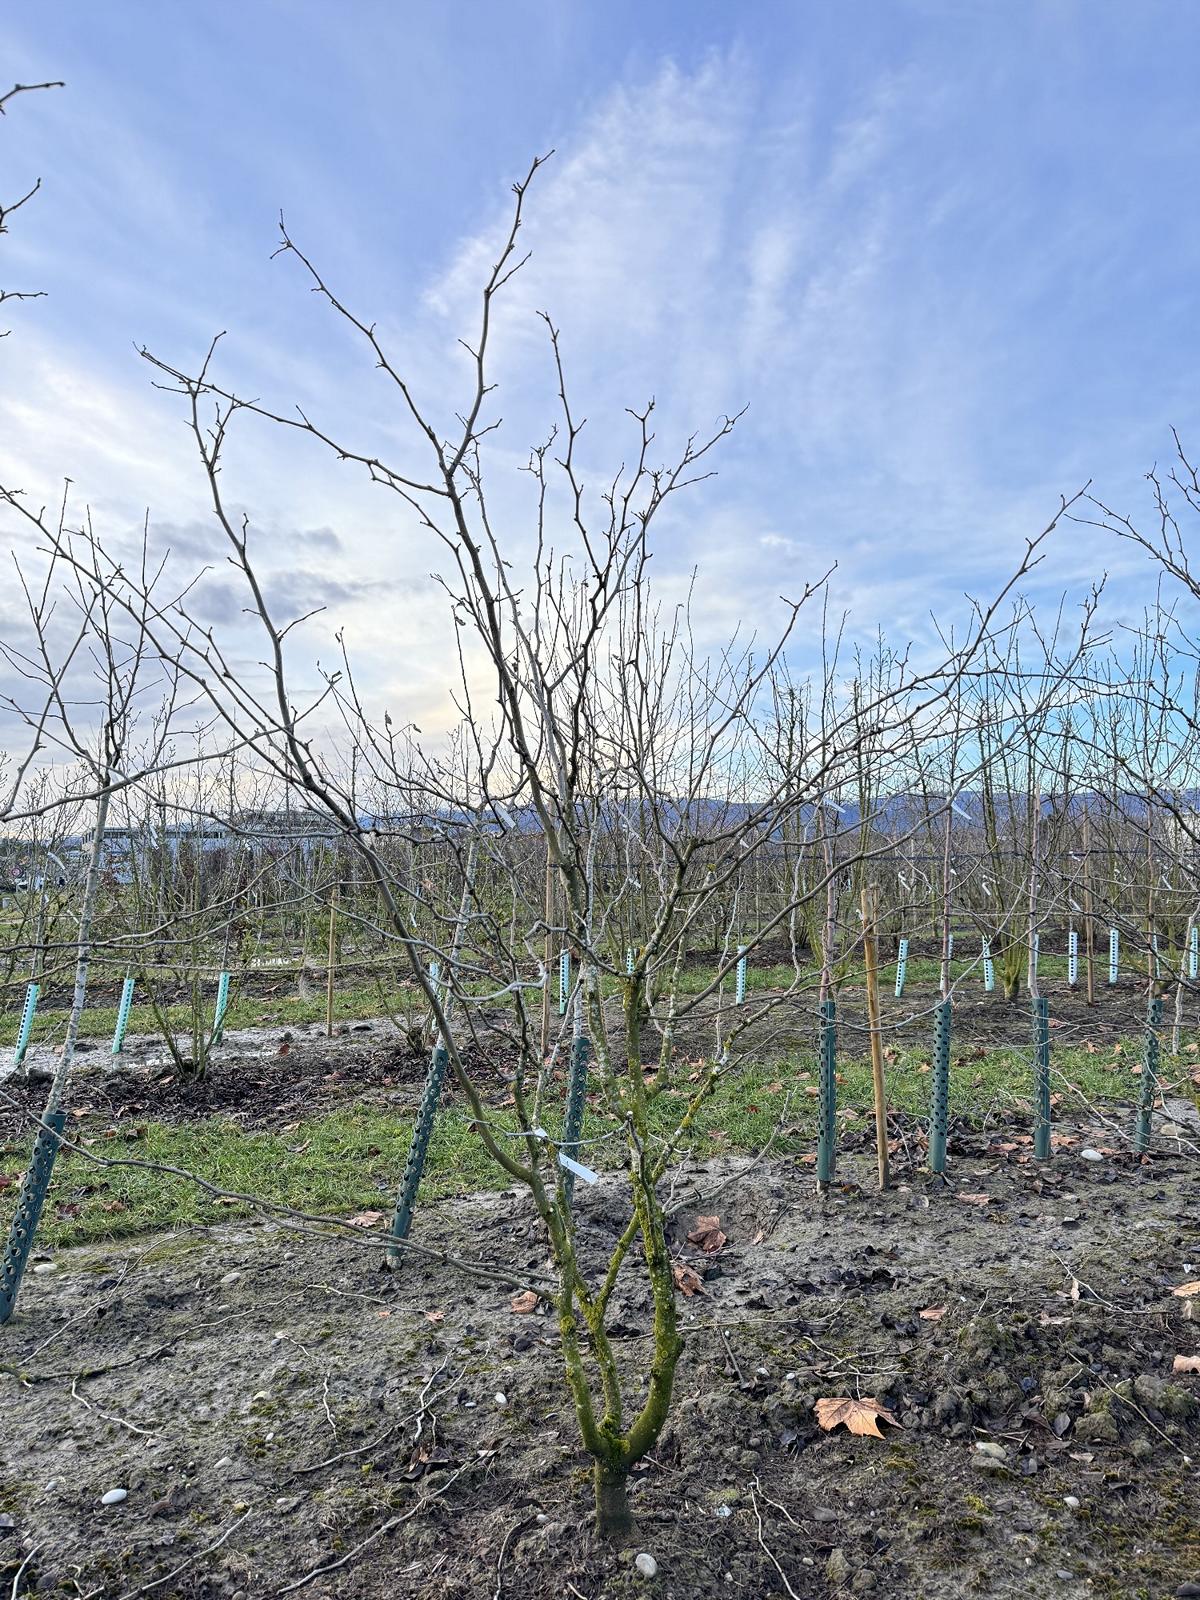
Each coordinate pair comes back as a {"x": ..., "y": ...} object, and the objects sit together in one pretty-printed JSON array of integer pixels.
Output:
[{"x": 879, "y": 277}]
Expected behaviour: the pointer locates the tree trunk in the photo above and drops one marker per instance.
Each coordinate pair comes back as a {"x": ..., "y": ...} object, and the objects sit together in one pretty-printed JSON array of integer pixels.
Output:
[{"x": 614, "y": 1519}]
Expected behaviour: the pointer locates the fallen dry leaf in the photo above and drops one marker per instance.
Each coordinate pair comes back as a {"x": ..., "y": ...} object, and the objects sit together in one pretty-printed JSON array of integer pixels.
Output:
[
  {"x": 687, "y": 1281},
  {"x": 525, "y": 1302},
  {"x": 975, "y": 1199},
  {"x": 1186, "y": 1364},
  {"x": 860, "y": 1416},
  {"x": 365, "y": 1219},
  {"x": 707, "y": 1234},
  {"x": 932, "y": 1313},
  {"x": 435, "y": 1316},
  {"x": 1186, "y": 1289}
]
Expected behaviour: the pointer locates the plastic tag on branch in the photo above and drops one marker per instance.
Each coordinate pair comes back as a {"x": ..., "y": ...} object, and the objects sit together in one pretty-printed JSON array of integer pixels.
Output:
[{"x": 578, "y": 1169}]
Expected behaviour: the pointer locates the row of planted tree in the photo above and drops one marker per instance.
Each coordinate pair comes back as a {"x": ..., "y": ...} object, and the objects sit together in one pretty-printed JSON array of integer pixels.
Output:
[{"x": 190, "y": 891}]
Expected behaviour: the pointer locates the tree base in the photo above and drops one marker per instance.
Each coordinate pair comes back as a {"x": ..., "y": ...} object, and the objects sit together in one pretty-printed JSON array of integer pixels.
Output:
[{"x": 614, "y": 1519}]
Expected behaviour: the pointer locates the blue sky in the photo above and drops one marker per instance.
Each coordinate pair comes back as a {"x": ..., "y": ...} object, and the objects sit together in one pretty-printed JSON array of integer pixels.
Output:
[{"x": 947, "y": 254}]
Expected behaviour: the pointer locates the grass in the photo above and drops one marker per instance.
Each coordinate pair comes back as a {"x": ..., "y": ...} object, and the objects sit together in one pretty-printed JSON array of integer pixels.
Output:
[
  {"x": 245, "y": 1011},
  {"x": 351, "y": 1159},
  {"x": 354, "y": 1003}
]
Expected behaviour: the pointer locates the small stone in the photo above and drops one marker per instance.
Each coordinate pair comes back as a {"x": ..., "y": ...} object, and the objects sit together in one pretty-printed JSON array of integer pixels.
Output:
[
  {"x": 501, "y": 1400},
  {"x": 7, "y": 1524},
  {"x": 646, "y": 1565},
  {"x": 986, "y": 1447},
  {"x": 1187, "y": 1591},
  {"x": 1091, "y": 1155},
  {"x": 113, "y": 1497},
  {"x": 220, "y": 1466},
  {"x": 1097, "y": 1427},
  {"x": 1072, "y": 1502},
  {"x": 837, "y": 1568},
  {"x": 823, "y": 1514},
  {"x": 863, "y": 1581},
  {"x": 46, "y": 1266}
]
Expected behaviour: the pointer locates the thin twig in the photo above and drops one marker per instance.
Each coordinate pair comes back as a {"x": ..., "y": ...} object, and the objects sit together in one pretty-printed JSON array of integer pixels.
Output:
[
  {"x": 156, "y": 1583},
  {"x": 767, "y": 1550},
  {"x": 386, "y": 1527}
]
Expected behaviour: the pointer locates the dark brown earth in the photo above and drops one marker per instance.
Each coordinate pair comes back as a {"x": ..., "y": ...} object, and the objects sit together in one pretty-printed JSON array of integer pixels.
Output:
[{"x": 275, "y": 1405}]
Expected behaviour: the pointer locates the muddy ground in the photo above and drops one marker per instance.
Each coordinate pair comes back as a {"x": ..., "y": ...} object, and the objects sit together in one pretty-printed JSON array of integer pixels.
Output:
[{"x": 288, "y": 1419}]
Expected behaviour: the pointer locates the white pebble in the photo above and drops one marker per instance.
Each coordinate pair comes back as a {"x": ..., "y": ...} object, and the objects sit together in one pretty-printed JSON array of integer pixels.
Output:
[
  {"x": 113, "y": 1497},
  {"x": 501, "y": 1400},
  {"x": 46, "y": 1266},
  {"x": 646, "y": 1565},
  {"x": 1091, "y": 1155},
  {"x": 1071, "y": 1502}
]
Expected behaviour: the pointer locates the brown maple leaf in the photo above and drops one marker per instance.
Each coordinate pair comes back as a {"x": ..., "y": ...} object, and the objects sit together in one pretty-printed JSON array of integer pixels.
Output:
[
  {"x": 976, "y": 1199},
  {"x": 1187, "y": 1289},
  {"x": 707, "y": 1234},
  {"x": 859, "y": 1416},
  {"x": 687, "y": 1281},
  {"x": 1186, "y": 1364}
]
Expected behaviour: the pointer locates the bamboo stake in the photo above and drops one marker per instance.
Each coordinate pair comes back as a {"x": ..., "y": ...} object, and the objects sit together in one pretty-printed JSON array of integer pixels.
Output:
[
  {"x": 872, "y": 968},
  {"x": 330, "y": 963}
]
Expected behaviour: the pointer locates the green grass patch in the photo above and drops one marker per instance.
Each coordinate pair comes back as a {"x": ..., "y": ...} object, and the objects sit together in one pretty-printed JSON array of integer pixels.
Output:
[{"x": 352, "y": 1159}]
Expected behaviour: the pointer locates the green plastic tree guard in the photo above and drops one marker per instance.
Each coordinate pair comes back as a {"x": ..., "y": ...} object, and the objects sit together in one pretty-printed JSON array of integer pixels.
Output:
[
  {"x": 1041, "y": 1078},
  {"x": 901, "y": 967},
  {"x": 222, "y": 1006},
  {"x": 26, "y": 1024},
  {"x": 827, "y": 1095},
  {"x": 123, "y": 1010},
  {"x": 1149, "y": 1085},
  {"x": 939, "y": 1088},
  {"x": 418, "y": 1150},
  {"x": 29, "y": 1208}
]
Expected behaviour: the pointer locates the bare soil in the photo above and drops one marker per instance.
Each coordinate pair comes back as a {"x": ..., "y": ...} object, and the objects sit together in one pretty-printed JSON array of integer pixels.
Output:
[{"x": 288, "y": 1419}]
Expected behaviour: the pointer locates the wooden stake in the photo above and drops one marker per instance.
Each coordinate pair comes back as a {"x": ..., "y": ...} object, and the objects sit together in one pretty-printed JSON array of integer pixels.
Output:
[
  {"x": 329, "y": 966},
  {"x": 547, "y": 949},
  {"x": 871, "y": 962},
  {"x": 1087, "y": 907}
]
